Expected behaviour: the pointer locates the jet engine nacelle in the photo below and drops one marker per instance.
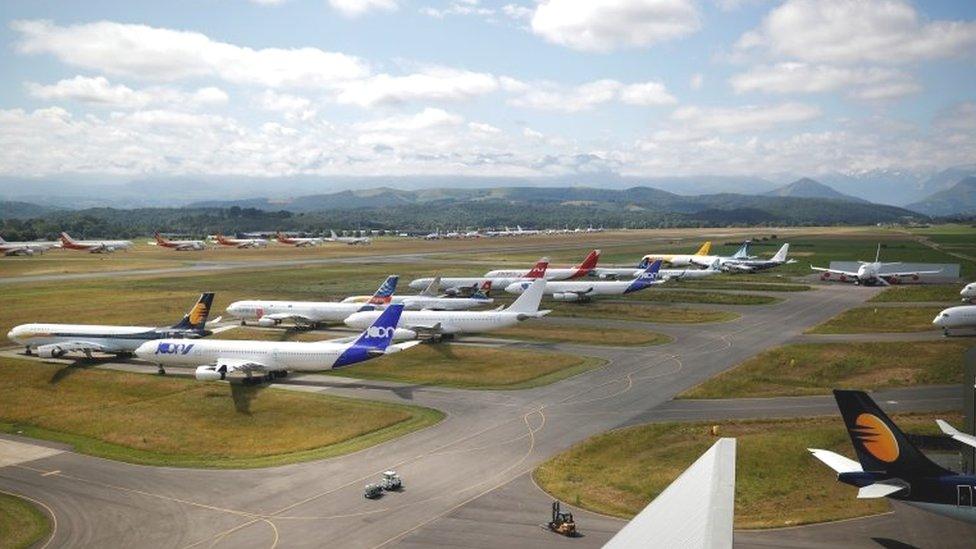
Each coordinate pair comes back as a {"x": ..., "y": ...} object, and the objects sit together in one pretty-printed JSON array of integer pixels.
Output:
[
  {"x": 403, "y": 333},
  {"x": 211, "y": 373},
  {"x": 109, "y": 249},
  {"x": 267, "y": 322},
  {"x": 50, "y": 351},
  {"x": 566, "y": 296}
]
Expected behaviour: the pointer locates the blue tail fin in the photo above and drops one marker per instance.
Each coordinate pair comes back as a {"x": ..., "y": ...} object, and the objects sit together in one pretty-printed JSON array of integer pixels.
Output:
[
  {"x": 380, "y": 334},
  {"x": 644, "y": 263},
  {"x": 384, "y": 294},
  {"x": 652, "y": 270},
  {"x": 646, "y": 278},
  {"x": 196, "y": 319}
]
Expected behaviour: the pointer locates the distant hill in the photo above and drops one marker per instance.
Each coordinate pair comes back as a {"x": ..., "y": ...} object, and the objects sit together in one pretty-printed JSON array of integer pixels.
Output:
[
  {"x": 958, "y": 199},
  {"x": 808, "y": 188},
  {"x": 10, "y": 209}
]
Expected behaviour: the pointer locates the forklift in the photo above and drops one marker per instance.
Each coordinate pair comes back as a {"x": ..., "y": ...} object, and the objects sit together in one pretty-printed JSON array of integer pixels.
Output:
[{"x": 562, "y": 523}]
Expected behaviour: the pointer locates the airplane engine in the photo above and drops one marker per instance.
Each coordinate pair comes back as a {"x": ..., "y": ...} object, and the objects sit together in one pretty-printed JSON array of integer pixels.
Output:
[
  {"x": 402, "y": 334},
  {"x": 268, "y": 322},
  {"x": 210, "y": 373},
  {"x": 109, "y": 249},
  {"x": 566, "y": 296},
  {"x": 50, "y": 351}
]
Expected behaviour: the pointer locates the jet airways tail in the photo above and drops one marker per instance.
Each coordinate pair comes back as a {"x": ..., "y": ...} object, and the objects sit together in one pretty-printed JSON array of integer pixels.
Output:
[
  {"x": 539, "y": 270},
  {"x": 196, "y": 318},
  {"x": 705, "y": 249},
  {"x": 384, "y": 294},
  {"x": 528, "y": 302},
  {"x": 781, "y": 254}
]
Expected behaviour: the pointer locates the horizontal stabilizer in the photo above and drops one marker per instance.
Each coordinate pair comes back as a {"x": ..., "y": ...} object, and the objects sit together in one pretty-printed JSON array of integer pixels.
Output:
[
  {"x": 882, "y": 489},
  {"x": 836, "y": 462},
  {"x": 956, "y": 434}
]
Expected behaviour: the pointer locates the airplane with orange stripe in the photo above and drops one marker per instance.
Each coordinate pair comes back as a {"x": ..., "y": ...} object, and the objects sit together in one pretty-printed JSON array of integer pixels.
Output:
[{"x": 241, "y": 242}]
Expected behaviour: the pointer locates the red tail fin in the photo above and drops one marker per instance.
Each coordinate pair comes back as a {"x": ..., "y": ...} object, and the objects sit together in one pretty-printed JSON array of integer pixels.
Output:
[
  {"x": 66, "y": 239},
  {"x": 588, "y": 264},
  {"x": 160, "y": 240},
  {"x": 539, "y": 271},
  {"x": 281, "y": 238}
]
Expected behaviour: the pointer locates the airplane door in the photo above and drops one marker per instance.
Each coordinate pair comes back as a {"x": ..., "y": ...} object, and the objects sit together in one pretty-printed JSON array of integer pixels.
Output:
[{"x": 964, "y": 496}]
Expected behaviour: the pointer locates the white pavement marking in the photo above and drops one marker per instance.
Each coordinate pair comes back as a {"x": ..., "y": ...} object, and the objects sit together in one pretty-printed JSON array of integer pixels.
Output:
[{"x": 13, "y": 453}]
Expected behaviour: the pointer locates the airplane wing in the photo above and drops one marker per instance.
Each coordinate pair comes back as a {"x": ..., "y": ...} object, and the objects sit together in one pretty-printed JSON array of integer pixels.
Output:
[
  {"x": 436, "y": 328},
  {"x": 696, "y": 510},
  {"x": 281, "y": 317},
  {"x": 834, "y": 271},
  {"x": 224, "y": 366},
  {"x": 70, "y": 346},
  {"x": 909, "y": 274},
  {"x": 956, "y": 434}
]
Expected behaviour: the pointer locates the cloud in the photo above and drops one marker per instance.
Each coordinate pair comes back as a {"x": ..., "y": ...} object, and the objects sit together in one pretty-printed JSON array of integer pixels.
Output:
[
  {"x": 99, "y": 91},
  {"x": 751, "y": 118},
  {"x": 553, "y": 97},
  {"x": 429, "y": 84},
  {"x": 696, "y": 81},
  {"x": 153, "y": 53},
  {"x": 461, "y": 7},
  {"x": 605, "y": 25},
  {"x": 356, "y": 8},
  {"x": 293, "y": 107},
  {"x": 646, "y": 94},
  {"x": 857, "y": 31},
  {"x": 428, "y": 118},
  {"x": 859, "y": 82}
]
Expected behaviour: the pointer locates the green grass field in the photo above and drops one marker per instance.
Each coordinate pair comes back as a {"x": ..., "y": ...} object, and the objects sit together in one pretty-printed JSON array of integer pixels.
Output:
[
  {"x": 869, "y": 320},
  {"x": 778, "y": 483},
  {"x": 664, "y": 313},
  {"x": 667, "y": 295},
  {"x": 554, "y": 333},
  {"x": 472, "y": 367},
  {"x": 134, "y": 418},
  {"x": 948, "y": 293},
  {"x": 817, "y": 368},
  {"x": 21, "y": 523},
  {"x": 738, "y": 282}
]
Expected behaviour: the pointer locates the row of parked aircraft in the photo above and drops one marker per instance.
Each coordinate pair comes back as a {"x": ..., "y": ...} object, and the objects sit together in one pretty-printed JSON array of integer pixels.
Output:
[
  {"x": 517, "y": 231},
  {"x": 258, "y": 242}
]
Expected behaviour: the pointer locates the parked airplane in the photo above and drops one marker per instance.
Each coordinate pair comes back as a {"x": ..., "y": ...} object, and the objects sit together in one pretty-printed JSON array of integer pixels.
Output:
[
  {"x": 307, "y": 313},
  {"x": 869, "y": 274},
  {"x": 180, "y": 245},
  {"x": 576, "y": 271},
  {"x": 242, "y": 242},
  {"x": 216, "y": 358},
  {"x": 297, "y": 241},
  {"x": 751, "y": 265},
  {"x": 448, "y": 323},
  {"x": 350, "y": 239},
  {"x": 432, "y": 300},
  {"x": 628, "y": 273},
  {"x": 26, "y": 248},
  {"x": 462, "y": 285},
  {"x": 680, "y": 260},
  {"x": 585, "y": 290},
  {"x": 741, "y": 254},
  {"x": 888, "y": 465},
  {"x": 968, "y": 293},
  {"x": 94, "y": 246},
  {"x": 962, "y": 316},
  {"x": 54, "y": 340}
]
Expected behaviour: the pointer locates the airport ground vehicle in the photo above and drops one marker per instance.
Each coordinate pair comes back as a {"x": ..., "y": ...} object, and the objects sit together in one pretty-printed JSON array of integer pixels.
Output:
[
  {"x": 562, "y": 523},
  {"x": 372, "y": 491},
  {"x": 391, "y": 481}
]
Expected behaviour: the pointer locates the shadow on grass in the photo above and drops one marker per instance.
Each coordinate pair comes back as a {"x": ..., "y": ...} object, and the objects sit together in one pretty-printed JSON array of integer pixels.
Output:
[
  {"x": 79, "y": 364},
  {"x": 243, "y": 395}
]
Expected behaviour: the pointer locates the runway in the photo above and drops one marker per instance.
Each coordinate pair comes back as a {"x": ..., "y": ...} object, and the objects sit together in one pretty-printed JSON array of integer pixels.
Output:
[{"x": 467, "y": 479}]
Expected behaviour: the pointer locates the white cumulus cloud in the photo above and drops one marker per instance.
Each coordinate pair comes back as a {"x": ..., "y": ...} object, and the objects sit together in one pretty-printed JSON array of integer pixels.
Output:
[
  {"x": 430, "y": 84},
  {"x": 99, "y": 91},
  {"x": 750, "y": 118},
  {"x": 355, "y": 8},
  {"x": 793, "y": 77}
]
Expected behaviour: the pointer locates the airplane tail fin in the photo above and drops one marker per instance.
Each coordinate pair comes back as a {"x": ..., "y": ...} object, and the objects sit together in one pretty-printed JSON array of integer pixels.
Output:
[
  {"x": 539, "y": 270},
  {"x": 484, "y": 291},
  {"x": 781, "y": 254},
  {"x": 2, "y": 241},
  {"x": 66, "y": 238},
  {"x": 644, "y": 262},
  {"x": 743, "y": 251},
  {"x": 433, "y": 289},
  {"x": 705, "y": 249},
  {"x": 334, "y": 235},
  {"x": 380, "y": 333},
  {"x": 877, "y": 255},
  {"x": 280, "y": 237},
  {"x": 384, "y": 294},
  {"x": 530, "y": 299},
  {"x": 196, "y": 318},
  {"x": 881, "y": 447},
  {"x": 160, "y": 240},
  {"x": 588, "y": 264}
]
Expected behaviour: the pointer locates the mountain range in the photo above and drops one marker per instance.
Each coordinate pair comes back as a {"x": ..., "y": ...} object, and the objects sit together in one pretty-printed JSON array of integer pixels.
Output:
[{"x": 957, "y": 199}]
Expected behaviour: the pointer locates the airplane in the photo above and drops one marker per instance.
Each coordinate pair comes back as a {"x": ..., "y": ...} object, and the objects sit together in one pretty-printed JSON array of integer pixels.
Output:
[
  {"x": 432, "y": 300},
  {"x": 680, "y": 260},
  {"x": 742, "y": 254},
  {"x": 26, "y": 248},
  {"x": 969, "y": 292},
  {"x": 179, "y": 245},
  {"x": 216, "y": 358},
  {"x": 962, "y": 316},
  {"x": 584, "y": 290},
  {"x": 869, "y": 274},
  {"x": 439, "y": 324},
  {"x": 94, "y": 246},
  {"x": 617, "y": 273},
  {"x": 750, "y": 265},
  {"x": 351, "y": 240},
  {"x": 695, "y": 511},
  {"x": 297, "y": 241},
  {"x": 888, "y": 465},
  {"x": 576, "y": 271},
  {"x": 307, "y": 313},
  {"x": 461, "y": 285},
  {"x": 55, "y": 340},
  {"x": 242, "y": 242}
]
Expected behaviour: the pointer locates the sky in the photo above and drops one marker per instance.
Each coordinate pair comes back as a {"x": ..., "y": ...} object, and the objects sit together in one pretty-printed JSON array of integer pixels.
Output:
[{"x": 521, "y": 88}]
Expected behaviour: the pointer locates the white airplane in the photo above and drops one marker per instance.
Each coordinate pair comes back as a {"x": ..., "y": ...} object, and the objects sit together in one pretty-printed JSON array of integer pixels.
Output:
[
  {"x": 869, "y": 274},
  {"x": 180, "y": 245},
  {"x": 585, "y": 290},
  {"x": 448, "y": 323},
  {"x": 26, "y": 248},
  {"x": 969, "y": 292},
  {"x": 431, "y": 300},
  {"x": 742, "y": 254},
  {"x": 627, "y": 273},
  {"x": 576, "y": 271},
  {"x": 680, "y": 260},
  {"x": 55, "y": 340},
  {"x": 94, "y": 246},
  {"x": 307, "y": 313},
  {"x": 242, "y": 242},
  {"x": 962, "y": 316},
  {"x": 297, "y": 241},
  {"x": 750, "y": 265},
  {"x": 216, "y": 358},
  {"x": 351, "y": 240},
  {"x": 461, "y": 285}
]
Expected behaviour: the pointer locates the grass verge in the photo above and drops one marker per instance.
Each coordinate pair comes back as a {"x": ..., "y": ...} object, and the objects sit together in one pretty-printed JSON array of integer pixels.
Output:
[
  {"x": 472, "y": 367},
  {"x": 816, "y": 368},
  {"x": 869, "y": 320},
  {"x": 184, "y": 423},
  {"x": 21, "y": 523},
  {"x": 639, "y": 312},
  {"x": 778, "y": 483},
  {"x": 714, "y": 298},
  {"x": 919, "y": 292},
  {"x": 740, "y": 285},
  {"x": 555, "y": 333}
]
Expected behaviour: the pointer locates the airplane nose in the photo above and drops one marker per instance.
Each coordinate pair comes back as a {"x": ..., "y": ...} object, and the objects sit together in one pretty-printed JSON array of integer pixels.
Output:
[
  {"x": 146, "y": 350},
  {"x": 937, "y": 320}
]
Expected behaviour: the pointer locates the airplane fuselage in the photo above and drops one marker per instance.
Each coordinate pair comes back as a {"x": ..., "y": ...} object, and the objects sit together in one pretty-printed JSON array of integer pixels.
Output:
[
  {"x": 419, "y": 302},
  {"x": 115, "y": 339},
  {"x": 950, "y": 495},
  {"x": 314, "y": 311},
  {"x": 962, "y": 316},
  {"x": 273, "y": 355},
  {"x": 451, "y": 322},
  {"x": 465, "y": 282}
]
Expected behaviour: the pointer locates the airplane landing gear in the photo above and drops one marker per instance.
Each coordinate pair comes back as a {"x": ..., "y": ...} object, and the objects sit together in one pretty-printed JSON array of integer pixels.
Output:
[
  {"x": 28, "y": 351},
  {"x": 161, "y": 371}
]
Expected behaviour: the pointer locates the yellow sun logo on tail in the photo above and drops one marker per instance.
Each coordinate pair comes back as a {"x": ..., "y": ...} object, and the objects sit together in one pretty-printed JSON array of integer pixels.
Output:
[{"x": 876, "y": 437}]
